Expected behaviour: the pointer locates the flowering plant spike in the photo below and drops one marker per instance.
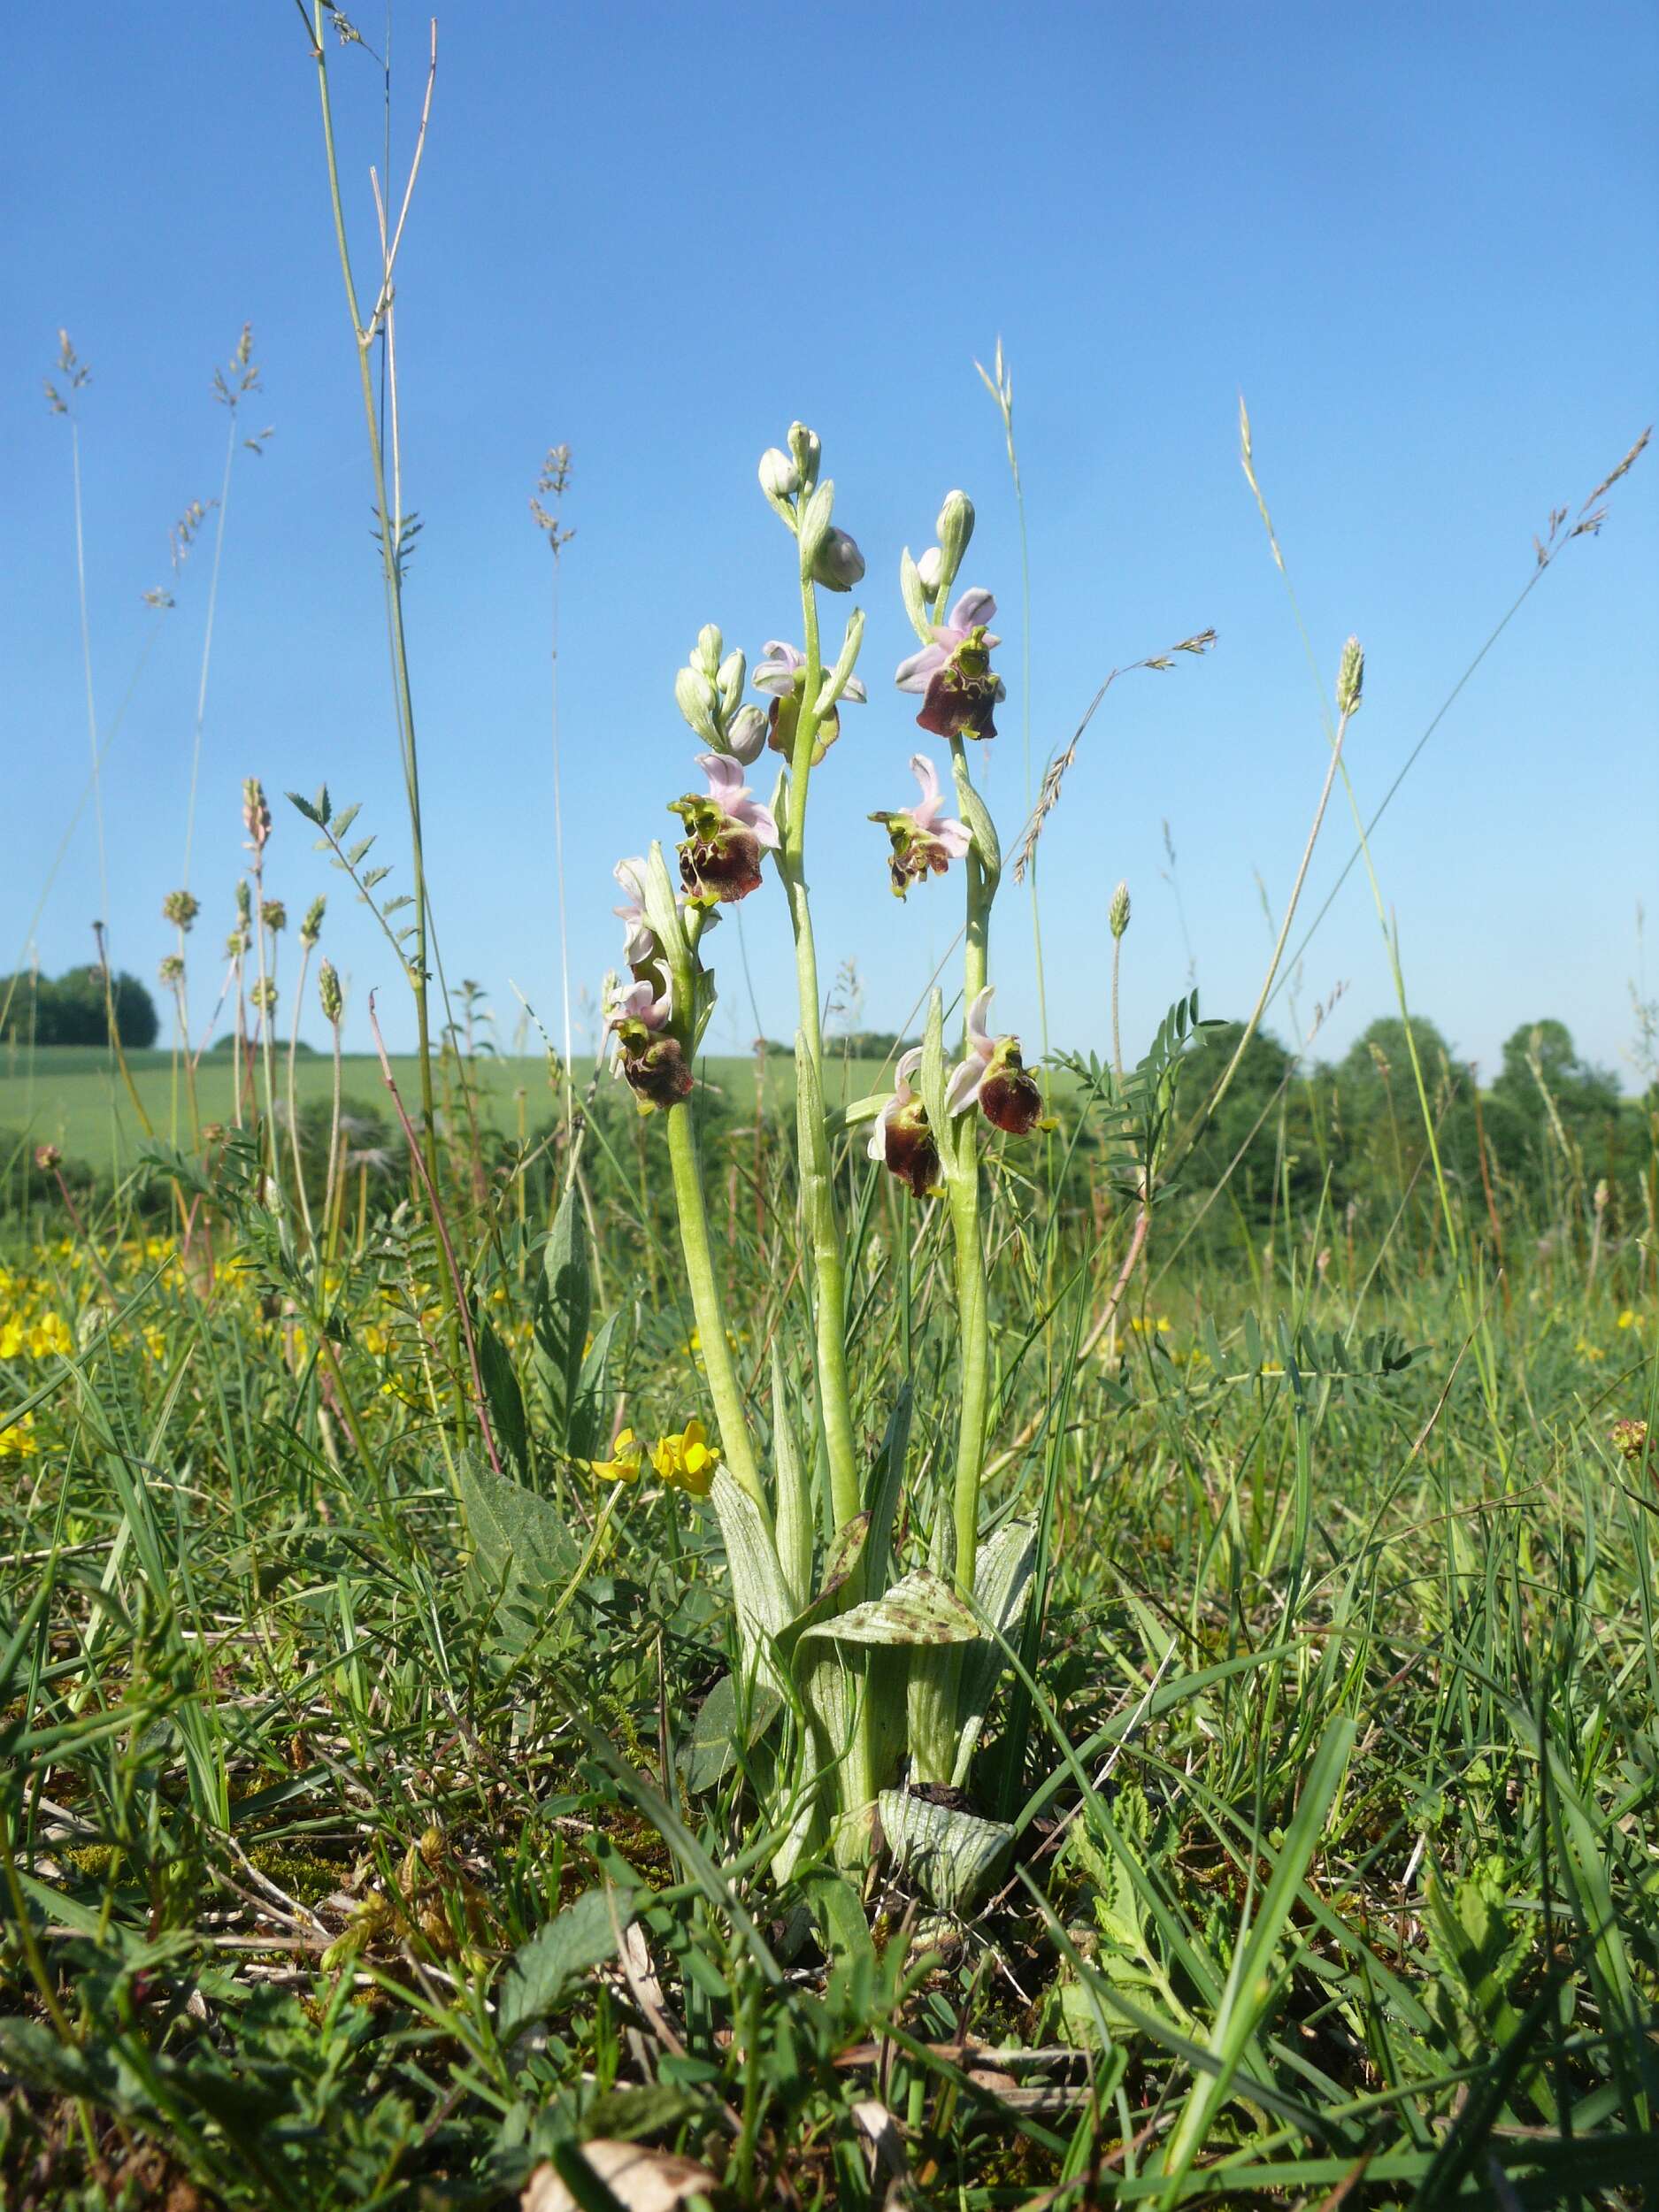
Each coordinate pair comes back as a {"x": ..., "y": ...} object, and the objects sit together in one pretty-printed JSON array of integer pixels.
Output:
[{"x": 891, "y": 1681}]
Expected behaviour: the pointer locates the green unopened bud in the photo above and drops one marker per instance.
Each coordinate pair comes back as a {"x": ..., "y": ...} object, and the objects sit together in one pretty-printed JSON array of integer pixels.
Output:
[
  {"x": 694, "y": 695},
  {"x": 729, "y": 682},
  {"x": 1118, "y": 913},
  {"x": 803, "y": 444},
  {"x": 329, "y": 992},
  {"x": 706, "y": 653},
  {"x": 954, "y": 529},
  {"x": 814, "y": 525},
  {"x": 1351, "y": 677},
  {"x": 838, "y": 565},
  {"x": 311, "y": 927},
  {"x": 254, "y": 813}
]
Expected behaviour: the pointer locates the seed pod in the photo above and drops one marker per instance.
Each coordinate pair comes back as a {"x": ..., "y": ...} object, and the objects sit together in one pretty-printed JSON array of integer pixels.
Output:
[
  {"x": 1117, "y": 914},
  {"x": 1350, "y": 678}
]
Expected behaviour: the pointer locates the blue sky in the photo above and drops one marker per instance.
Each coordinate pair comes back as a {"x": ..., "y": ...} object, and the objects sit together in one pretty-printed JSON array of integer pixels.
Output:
[{"x": 1419, "y": 239}]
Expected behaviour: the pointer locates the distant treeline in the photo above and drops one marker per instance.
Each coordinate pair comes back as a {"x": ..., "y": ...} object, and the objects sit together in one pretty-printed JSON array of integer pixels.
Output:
[
  {"x": 1547, "y": 1130},
  {"x": 73, "y": 1008}
]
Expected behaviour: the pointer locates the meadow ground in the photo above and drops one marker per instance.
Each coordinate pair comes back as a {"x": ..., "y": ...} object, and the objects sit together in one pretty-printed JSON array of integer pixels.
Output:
[{"x": 363, "y": 1846}]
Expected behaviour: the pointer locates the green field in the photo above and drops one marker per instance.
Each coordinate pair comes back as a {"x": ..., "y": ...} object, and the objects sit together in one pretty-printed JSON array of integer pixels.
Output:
[{"x": 74, "y": 1096}]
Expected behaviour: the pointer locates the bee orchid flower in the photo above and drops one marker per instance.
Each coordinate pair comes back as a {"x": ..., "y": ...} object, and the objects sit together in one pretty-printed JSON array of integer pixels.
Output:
[
  {"x": 993, "y": 1078},
  {"x": 925, "y": 840},
  {"x": 640, "y": 947},
  {"x": 720, "y": 857},
  {"x": 650, "y": 1061},
  {"x": 783, "y": 674},
  {"x": 960, "y": 688},
  {"x": 900, "y": 1139},
  {"x": 638, "y": 941}
]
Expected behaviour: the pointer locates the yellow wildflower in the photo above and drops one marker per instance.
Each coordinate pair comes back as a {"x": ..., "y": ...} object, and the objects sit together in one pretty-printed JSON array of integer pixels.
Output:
[
  {"x": 1629, "y": 1320},
  {"x": 687, "y": 1460},
  {"x": 624, "y": 1462},
  {"x": 11, "y": 1338},
  {"x": 49, "y": 1335},
  {"x": 17, "y": 1439},
  {"x": 375, "y": 1340}
]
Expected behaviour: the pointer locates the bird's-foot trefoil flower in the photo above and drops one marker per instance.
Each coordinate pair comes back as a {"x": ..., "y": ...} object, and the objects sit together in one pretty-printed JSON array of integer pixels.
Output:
[
  {"x": 959, "y": 688},
  {"x": 624, "y": 1462},
  {"x": 993, "y": 1077},
  {"x": 901, "y": 1140},
  {"x": 687, "y": 1461},
  {"x": 720, "y": 857},
  {"x": 925, "y": 840},
  {"x": 783, "y": 674}
]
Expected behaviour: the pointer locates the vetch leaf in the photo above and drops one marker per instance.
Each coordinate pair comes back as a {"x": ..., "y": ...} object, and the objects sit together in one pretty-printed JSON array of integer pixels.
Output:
[
  {"x": 581, "y": 1937},
  {"x": 502, "y": 1395},
  {"x": 520, "y": 1541}
]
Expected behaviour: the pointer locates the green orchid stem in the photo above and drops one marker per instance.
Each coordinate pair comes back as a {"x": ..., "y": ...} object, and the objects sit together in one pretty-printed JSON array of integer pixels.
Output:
[
  {"x": 857, "y": 1779},
  {"x": 973, "y": 1313},
  {"x": 818, "y": 1183},
  {"x": 735, "y": 1445}
]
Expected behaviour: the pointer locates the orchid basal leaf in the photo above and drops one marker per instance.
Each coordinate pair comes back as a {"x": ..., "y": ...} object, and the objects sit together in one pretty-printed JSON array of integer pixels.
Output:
[{"x": 920, "y": 1609}]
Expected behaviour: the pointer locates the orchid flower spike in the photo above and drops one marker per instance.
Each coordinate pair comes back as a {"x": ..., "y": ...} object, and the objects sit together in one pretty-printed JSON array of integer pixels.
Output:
[
  {"x": 900, "y": 1141},
  {"x": 960, "y": 688},
  {"x": 720, "y": 858},
  {"x": 783, "y": 674},
  {"x": 993, "y": 1077},
  {"x": 925, "y": 840}
]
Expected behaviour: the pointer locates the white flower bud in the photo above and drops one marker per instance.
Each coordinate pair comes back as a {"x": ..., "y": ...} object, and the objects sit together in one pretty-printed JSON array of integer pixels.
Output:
[
  {"x": 707, "y": 655},
  {"x": 838, "y": 565},
  {"x": 746, "y": 734},
  {"x": 930, "y": 568},
  {"x": 694, "y": 695},
  {"x": 780, "y": 478}
]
